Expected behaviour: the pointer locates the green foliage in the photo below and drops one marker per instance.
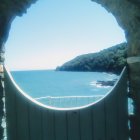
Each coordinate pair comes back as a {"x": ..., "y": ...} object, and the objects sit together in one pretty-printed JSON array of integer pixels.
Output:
[{"x": 108, "y": 60}]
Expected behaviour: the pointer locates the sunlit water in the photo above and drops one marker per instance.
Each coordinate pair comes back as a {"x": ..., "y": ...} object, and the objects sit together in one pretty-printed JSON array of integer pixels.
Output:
[{"x": 63, "y": 89}]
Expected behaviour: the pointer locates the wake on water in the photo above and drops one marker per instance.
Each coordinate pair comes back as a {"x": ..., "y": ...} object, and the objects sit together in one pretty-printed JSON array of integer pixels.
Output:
[{"x": 69, "y": 101}]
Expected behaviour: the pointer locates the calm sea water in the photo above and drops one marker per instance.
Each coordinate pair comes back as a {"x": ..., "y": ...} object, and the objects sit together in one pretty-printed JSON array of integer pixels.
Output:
[{"x": 63, "y": 89}]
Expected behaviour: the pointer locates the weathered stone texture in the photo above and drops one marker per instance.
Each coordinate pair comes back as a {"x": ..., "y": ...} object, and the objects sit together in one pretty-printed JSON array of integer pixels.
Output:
[
  {"x": 14, "y": 7},
  {"x": 134, "y": 78},
  {"x": 1, "y": 108}
]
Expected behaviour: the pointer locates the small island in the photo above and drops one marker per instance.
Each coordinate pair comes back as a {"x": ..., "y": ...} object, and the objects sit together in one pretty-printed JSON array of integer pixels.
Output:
[{"x": 110, "y": 60}]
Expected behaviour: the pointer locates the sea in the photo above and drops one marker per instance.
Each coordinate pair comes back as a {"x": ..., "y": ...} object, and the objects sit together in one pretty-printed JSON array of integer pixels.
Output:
[{"x": 63, "y": 89}]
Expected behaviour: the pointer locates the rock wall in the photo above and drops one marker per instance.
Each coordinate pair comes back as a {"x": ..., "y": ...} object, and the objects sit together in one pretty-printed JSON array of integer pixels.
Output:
[
  {"x": 127, "y": 14},
  {"x": 1, "y": 108}
]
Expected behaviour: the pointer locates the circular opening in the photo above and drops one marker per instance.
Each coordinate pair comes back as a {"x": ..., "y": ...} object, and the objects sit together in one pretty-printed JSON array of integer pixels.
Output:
[{"x": 55, "y": 32}]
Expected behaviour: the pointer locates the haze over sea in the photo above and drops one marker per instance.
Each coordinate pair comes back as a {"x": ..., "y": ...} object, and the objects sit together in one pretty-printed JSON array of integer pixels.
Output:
[{"x": 63, "y": 89}]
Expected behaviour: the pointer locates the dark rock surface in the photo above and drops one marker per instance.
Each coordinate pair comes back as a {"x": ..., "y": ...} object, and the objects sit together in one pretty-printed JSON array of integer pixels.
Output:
[{"x": 106, "y": 83}]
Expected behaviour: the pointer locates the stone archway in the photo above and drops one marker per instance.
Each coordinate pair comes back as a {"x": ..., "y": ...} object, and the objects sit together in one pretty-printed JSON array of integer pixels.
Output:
[{"x": 127, "y": 14}]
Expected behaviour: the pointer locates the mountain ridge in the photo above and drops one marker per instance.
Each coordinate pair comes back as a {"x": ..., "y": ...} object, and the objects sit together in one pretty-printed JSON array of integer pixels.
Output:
[{"x": 112, "y": 59}]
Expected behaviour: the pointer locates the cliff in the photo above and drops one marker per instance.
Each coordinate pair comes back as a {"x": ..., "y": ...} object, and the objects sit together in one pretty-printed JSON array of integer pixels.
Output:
[{"x": 112, "y": 59}]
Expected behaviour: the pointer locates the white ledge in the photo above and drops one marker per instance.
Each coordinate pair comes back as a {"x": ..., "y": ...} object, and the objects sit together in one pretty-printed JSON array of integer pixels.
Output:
[{"x": 134, "y": 59}]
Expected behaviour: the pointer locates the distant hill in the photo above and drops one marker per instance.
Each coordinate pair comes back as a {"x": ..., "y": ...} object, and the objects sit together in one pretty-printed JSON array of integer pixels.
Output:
[{"x": 112, "y": 60}]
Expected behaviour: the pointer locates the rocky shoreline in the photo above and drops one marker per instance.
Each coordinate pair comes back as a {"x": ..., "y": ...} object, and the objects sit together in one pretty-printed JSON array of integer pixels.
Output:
[
  {"x": 106, "y": 83},
  {"x": 110, "y": 60}
]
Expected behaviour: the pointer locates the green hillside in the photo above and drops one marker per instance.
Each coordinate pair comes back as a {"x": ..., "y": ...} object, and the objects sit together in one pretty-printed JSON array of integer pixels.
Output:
[{"x": 112, "y": 59}]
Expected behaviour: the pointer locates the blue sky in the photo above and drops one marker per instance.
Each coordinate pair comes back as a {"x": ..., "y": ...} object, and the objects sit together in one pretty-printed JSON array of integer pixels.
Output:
[{"x": 55, "y": 31}]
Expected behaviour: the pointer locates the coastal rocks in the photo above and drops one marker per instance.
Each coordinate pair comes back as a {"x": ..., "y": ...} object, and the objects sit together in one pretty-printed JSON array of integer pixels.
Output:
[{"x": 106, "y": 83}]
